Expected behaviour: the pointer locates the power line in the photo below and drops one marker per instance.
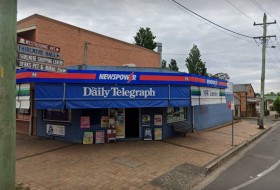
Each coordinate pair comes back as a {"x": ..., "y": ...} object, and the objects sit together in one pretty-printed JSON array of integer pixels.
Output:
[
  {"x": 196, "y": 17},
  {"x": 210, "y": 20},
  {"x": 222, "y": 52},
  {"x": 242, "y": 12},
  {"x": 239, "y": 10}
]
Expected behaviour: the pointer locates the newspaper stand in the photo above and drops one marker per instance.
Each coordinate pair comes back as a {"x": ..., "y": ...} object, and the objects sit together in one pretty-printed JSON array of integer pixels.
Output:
[{"x": 111, "y": 135}]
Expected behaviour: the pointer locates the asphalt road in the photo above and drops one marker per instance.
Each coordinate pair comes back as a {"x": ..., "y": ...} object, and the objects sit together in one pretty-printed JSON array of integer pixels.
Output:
[{"x": 257, "y": 169}]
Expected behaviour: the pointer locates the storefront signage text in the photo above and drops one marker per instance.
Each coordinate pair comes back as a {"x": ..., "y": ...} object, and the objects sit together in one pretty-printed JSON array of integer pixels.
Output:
[
  {"x": 117, "y": 77},
  {"x": 37, "y": 51},
  {"x": 117, "y": 92}
]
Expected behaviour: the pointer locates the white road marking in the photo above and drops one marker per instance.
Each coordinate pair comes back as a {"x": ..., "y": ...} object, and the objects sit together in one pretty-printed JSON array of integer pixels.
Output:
[{"x": 260, "y": 175}]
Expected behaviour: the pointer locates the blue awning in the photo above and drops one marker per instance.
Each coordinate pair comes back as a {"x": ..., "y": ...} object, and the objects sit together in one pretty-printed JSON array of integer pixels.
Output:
[
  {"x": 79, "y": 96},
  {"x": 49, "y": 96}
]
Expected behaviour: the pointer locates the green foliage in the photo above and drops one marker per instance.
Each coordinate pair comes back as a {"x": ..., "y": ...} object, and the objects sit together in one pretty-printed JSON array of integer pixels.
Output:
[
  {"x": 194, "y": 63},
  {"x": 222, "y": 76},
  {"x": 173, "y": 65},
  {"x": 163, "y": 64},
  {"x": 145, "y": 38},
  {"x": 276, "y": 105}
]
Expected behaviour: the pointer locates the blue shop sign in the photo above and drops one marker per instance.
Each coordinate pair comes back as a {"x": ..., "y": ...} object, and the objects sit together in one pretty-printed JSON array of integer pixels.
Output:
[{"x": 74, "y": 92}]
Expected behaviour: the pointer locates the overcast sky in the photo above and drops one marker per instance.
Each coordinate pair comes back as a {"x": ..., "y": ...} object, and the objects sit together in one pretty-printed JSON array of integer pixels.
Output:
[{"x": 177, "y": 29}]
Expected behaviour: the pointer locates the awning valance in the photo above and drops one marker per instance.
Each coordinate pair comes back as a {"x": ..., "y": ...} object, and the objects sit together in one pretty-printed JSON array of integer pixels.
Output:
[{"x": 78, "y": 96}]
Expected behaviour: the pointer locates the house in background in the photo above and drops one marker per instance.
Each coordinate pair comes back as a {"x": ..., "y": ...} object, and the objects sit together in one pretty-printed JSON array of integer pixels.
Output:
[
  {"x": 248, "y": 100},
  {"x": 270, "y": 99},
  {"x": 236, "y": 107}
]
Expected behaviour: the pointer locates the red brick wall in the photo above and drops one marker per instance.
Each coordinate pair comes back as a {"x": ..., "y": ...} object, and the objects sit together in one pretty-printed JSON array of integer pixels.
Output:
[
  {"x": 102, "y": 50},
  {"x": 22, "y": 127}
]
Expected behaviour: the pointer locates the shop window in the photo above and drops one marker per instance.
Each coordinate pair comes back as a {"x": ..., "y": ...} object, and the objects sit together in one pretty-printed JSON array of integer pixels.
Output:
[
  {"x": 176, "y": 114},
  {"x": 60, "y": 115}
]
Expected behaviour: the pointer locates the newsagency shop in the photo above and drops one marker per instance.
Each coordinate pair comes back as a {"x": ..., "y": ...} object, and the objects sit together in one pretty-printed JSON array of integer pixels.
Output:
[{"x": 100, "y": 104}]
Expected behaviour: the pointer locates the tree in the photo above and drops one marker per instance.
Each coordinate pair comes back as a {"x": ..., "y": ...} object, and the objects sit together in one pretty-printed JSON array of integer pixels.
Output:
[
  {"x": 173, "y": 65},
  {"x": 163, "y": 64},
  {"x": 222, "y": 76},
  {"x": 276, "y": 104},
  {"x": 145, "y": 38},
  {"x": 194, "y": 63}
]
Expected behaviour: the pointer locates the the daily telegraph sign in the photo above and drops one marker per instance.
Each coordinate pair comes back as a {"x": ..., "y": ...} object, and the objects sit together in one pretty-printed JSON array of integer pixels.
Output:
[
  {"x": 116, "y": 92},
  {"x": 39, "y": 56}
]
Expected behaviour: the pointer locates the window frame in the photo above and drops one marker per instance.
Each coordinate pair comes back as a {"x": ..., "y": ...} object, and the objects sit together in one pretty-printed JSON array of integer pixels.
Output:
[
  {"x": 54, "y": 120},
  {"x": 172, "y": 120}
]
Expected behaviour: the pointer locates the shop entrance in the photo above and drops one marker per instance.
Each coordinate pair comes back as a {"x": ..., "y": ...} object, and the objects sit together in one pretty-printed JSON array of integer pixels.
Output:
[{"x": 132, "y": 123}]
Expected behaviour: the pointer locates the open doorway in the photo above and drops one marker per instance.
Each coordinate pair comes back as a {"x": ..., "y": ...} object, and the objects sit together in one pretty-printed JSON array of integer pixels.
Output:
[{"x": 132, "y": 123}]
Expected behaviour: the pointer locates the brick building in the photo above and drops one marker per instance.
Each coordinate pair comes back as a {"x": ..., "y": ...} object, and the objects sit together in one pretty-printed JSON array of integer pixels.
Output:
[
  {"x": 102, "y": 50},
  {"x": 248, "y": 99}
]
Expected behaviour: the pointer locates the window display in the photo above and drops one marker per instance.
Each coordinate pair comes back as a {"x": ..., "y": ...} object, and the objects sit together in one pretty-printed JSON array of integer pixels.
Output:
[
  {"x": 117, "y": 121},
  {"x": 176, "y": 114}
]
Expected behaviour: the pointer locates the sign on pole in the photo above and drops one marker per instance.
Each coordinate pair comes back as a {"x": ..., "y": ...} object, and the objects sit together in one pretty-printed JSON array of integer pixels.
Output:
[
  {"x": 39, "y": 56},
  {"x": 38, "y": 45},
  {"x": 42, "y": 67}
]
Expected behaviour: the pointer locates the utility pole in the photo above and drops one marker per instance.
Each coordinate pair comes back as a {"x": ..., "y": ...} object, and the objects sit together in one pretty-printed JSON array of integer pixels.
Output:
[
  {"x": 8, "y": 22},
  {"x": 264, "y": 40}
]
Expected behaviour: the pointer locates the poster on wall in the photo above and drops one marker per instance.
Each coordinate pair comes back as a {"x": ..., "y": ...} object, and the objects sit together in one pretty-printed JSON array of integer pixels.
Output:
[
  {"x": 58, "y": 130},
  {"x": 112, "y": 122},
  {"x": 104, "y": 122},
  {"x": 99, "y": 137},
  {"x": 85, "y": 122},
  {"x": 148, "y": 135},
  {"x": 146, "y": 120},
  {"x": 118, "y": 121},
  {"x": 158, "y": 133},
  {"x": 158, "y": 120},
  {"x": 88, "y": 138}
]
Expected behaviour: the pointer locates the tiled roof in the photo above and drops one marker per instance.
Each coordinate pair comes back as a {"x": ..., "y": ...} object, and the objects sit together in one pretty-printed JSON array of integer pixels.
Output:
[{"x": 240, "y": 87}]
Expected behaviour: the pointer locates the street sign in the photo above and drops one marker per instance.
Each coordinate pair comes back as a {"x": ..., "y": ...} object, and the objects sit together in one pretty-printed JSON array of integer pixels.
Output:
[
  {"x": 39, "y": 66},
  {"x": 40, "y": 59},
  {"x": 37, "y": 51},
  {"x": 38, "y": 45}
]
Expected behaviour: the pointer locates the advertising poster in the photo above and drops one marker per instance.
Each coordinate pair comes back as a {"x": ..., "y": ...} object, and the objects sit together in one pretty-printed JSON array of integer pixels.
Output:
[
  {"x": 99, "y": 137},
  {"x": 55, "y": 130},
  {"x": 158, "y": 133},
  {"x": 146, "y": 120},
  {"x": 88, "y": 138},
  {"x": 104, "y": 122},
  {"x": 118, "y": 121},
  {"x": 85, "y": 122},
  {"x": 148, "y": 135},
  {"x": 112, "y": 122},
  {"x": 158, "y": 120}
]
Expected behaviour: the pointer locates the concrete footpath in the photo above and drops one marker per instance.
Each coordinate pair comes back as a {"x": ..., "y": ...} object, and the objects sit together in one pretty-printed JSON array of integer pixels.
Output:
[{"x": 172, "y": 164}]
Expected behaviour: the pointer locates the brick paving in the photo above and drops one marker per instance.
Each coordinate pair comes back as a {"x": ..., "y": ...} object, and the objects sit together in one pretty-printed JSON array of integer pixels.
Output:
[{"x": 47, "y": 164}]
